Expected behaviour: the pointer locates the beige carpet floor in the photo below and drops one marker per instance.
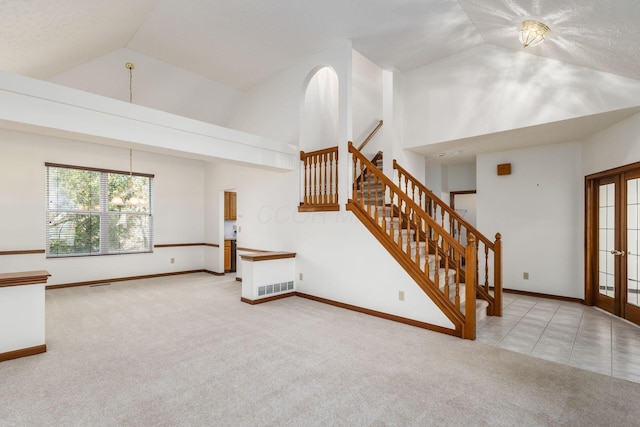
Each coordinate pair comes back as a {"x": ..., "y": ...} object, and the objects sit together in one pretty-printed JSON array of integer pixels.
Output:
[{"x": 185, "y": 351}]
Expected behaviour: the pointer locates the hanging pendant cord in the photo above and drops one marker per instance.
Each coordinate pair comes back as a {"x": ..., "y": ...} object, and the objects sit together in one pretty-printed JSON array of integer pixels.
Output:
[{"x": 130, "y": 67}]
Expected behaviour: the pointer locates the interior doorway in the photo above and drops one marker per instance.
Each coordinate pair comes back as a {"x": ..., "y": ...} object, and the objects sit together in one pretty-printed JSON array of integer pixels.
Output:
[
  {"x": 229, "y": 230},
  {"x": 464, "y": 203},
  {"x": 612, "y": 241}
]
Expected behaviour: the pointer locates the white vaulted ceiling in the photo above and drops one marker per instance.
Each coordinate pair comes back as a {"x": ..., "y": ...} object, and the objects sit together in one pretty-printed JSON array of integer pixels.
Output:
[
  {"x": 242, "y": 42},
  {"x": 42, "y": 38},
  {"x": 602, "y": 35}
]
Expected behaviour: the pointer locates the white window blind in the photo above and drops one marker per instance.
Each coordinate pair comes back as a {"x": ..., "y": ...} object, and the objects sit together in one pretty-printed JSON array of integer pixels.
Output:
[{"x": 97, "y": 212}]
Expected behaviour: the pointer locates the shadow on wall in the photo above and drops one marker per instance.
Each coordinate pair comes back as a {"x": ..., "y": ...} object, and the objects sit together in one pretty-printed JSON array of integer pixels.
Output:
[{"x": 319, "y": 113}]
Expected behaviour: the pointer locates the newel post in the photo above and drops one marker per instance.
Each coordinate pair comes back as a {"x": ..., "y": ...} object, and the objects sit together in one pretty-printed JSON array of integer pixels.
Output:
[
  {"x": 469, "y": 330},
  {"x": 497, "y": 275}
]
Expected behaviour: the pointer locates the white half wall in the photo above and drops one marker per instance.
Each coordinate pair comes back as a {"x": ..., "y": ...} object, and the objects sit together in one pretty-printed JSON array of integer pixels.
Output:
[
  {"x": 539, "y": 211},
  {"x": 22, "y": 317},
  {"x": 178, "y": 208}
]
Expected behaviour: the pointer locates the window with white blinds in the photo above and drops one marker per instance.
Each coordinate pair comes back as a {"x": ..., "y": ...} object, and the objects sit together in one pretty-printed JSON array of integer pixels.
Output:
[{"x": 97, "y": 212}]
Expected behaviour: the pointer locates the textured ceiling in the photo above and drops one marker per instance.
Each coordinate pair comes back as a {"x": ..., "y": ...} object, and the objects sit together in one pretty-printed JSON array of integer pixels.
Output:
[
  {"x": 41, "y": 38},
  {"x": 597, "y": 34},
  {"x": 245, "y": 41}
]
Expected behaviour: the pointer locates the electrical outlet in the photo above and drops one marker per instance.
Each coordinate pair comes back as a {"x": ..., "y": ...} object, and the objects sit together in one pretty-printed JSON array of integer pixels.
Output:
[
  {"x": 173, "y": 260},
  {"x": 525, "y": 276},
  {"x": 401, "y": 295},
  {"x": 301, "y": 276}
]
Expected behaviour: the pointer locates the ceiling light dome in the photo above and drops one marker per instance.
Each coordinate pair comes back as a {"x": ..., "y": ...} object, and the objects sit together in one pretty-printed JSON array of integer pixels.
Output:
[{"x": 533, "y": 33}]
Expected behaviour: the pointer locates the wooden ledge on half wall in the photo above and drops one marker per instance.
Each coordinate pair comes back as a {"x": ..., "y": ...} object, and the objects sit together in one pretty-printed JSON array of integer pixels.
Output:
[
  {"x": 24, "y": 278},
  {"x": 267, "y": 256}
]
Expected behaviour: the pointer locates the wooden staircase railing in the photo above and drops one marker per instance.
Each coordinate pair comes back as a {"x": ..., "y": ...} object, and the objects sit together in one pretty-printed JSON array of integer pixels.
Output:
[
  {"x": 320, "y": 177},
  {"x": 320, "y": 180},
  {"x": 488, "y": 253},
  {"x": 368, "y": 138},
  {"x": 374, "y": 161},
  {"x": 408, "y": 233}
]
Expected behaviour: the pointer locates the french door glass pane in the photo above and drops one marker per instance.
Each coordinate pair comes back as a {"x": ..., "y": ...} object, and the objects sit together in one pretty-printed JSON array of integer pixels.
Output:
[
  {"x": 633, "y": 247},
  {"x": 606, "y": 241}
]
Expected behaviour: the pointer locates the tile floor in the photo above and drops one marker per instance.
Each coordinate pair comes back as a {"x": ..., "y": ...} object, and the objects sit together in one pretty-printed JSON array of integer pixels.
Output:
[{"x": 565, "y": 332}]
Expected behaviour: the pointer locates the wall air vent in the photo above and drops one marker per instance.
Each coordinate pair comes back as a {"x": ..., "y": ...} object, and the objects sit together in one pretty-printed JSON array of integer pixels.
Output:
[{"x": 276, "y": 288}]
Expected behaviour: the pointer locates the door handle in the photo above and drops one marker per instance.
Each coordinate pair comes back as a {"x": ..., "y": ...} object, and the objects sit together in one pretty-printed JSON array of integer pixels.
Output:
[{"x": 618, "y": 253}]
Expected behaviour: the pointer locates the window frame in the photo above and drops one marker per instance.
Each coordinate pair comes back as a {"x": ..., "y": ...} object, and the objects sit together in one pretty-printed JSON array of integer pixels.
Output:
[{"x": 103, "y": 213}]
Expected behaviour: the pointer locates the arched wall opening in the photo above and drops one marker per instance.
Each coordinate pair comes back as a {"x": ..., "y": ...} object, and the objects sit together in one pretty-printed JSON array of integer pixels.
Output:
[{"x": 319, "y": 118}]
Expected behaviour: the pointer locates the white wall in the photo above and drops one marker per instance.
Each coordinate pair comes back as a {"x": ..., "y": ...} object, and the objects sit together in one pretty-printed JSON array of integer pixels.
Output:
[
  {"x": 437, "y": 180},
  {"x": 441, "y": 179},
  {"x": 489, "y": 89},
  {"x": 339, "y": 258},
  {"x": 320, "y": 121},
  {"x": 616, "y": 146},
  {"x": 461, "y": 177},
  {"x": 272, "y": 109},
  {"x": 393, "y": 128},
  {"x": 465, "y": 205},
  {"x": 367, "y": 103},
  {"x": 156, "y": 84},
  {"x": 22, "y": 317},
  {"x": 178, "y": 205},
  {"x": 539, "y": 211},
  {"x": 49, "y": 108}
]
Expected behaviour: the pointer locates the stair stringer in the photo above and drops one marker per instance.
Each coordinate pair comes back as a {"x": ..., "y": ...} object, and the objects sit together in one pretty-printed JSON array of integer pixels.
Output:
[{"x": 427, "y": 286}]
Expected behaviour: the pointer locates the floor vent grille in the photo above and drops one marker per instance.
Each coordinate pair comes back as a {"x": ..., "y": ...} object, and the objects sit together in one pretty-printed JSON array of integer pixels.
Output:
[{"x": 275, "y": 288}]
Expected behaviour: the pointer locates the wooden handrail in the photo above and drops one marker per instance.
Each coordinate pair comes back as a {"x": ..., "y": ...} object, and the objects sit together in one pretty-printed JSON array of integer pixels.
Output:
[
  {"x": 457, "y": 223},
  {"x": 443, "y": 205},
  {"x": 306, "y": 155},
  {"x": 403, "y": 237},
  {"x": 375, "y": 158},
  {"x": 405, "y": 198},
  {"x": 373, "y": 132},
  {"x": 320, "y": 180}
]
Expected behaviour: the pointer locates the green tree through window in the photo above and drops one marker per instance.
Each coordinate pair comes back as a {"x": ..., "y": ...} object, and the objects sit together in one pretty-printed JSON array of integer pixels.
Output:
[{"x": 97, "y": 212}]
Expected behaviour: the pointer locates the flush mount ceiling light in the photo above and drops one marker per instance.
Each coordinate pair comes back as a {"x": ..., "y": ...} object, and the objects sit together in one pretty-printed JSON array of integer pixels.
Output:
[{"x": 533, "y": 32}]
